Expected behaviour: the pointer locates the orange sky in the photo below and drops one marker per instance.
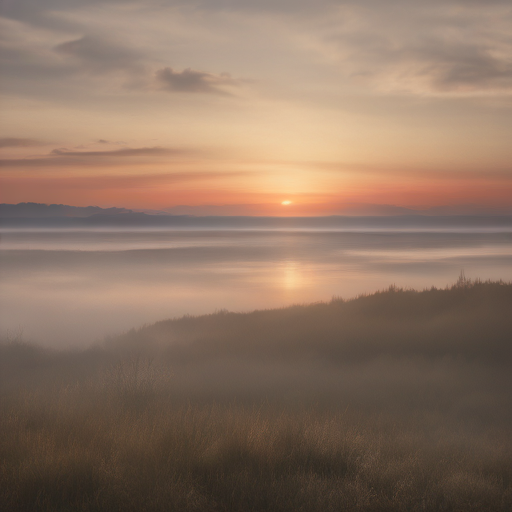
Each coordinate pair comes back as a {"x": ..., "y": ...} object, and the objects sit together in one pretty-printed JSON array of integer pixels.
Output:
[{"x": 334, "y": 106}]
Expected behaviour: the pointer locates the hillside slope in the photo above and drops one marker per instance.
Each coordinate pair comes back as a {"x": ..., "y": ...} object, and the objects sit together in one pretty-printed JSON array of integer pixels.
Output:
[{"x": 468, "y": 320}]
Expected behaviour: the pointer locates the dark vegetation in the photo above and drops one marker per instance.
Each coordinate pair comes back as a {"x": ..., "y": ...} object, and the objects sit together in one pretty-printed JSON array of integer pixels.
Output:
[{"x": 398, "y": 401}]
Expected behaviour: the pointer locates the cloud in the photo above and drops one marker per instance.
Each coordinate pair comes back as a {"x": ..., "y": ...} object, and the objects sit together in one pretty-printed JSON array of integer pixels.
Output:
[
  {"x": 425, "y": 48},
  {"x": 434, "y": 47},
  {"x": 436, "y": 67},
  {"x": 438, "y": 174},
  {"x": 120, "y": 182},
  {"x": 99, "y": 54},
  {"x": 29, "y": 54},
  {"x": 63, "y": 156},
  {"x": 194, "y": 81},
  {"x": 123, "y": 152},
  {"x": 464, "y": 68},
  {"x": 34, "y": 60},
  {"x": 14, "y": 142}
]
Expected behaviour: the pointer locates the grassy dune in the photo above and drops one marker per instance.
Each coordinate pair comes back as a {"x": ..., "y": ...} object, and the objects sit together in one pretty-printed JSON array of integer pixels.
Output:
[{"x": 400, "y": 400}]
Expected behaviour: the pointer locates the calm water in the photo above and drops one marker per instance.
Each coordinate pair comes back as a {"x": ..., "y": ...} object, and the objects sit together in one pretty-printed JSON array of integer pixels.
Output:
[{"x": 71, "y": 288}]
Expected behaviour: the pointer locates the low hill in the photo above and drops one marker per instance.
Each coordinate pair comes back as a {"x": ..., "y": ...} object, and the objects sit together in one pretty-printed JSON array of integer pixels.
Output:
[
  {"x": 439, "y": 349},
  {"x": 396, "y": 401},
  {"x": 469, "y": 320}
]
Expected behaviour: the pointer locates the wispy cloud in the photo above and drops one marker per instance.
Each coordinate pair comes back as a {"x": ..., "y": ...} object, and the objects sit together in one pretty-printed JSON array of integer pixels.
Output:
[
  {"x": 15, "y": 142},
  {"x": 425, "y": 48},
  {"x": 117, "y": 182},
  {"x": 192, "y": 81},
  {"x": 122, "y": 152},
  {"x": 63, "y": 156},
  {"x": 418, "y": 172},
  {"x": 100, "y": 55}
]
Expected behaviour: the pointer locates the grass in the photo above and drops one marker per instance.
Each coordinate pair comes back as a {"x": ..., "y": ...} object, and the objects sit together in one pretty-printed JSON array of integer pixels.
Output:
[{"x": 343, "y": 406}]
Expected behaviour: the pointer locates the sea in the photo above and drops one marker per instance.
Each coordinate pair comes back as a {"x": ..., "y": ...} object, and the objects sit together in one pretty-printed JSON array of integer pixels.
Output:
[{"x": 73, "y": 286}]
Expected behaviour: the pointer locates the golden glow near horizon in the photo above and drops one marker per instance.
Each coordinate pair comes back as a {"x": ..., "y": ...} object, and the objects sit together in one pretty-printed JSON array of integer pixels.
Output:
[{"x": 158, "y": 106}]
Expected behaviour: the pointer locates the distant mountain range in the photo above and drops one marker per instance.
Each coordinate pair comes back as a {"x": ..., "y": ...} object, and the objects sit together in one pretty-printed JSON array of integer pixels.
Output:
[
  {"x": 352, "y": 209},
  {"x": 29, "y": 210},
  {"x": 34, "y": 215},
  {"x": 39, "y": 210}
]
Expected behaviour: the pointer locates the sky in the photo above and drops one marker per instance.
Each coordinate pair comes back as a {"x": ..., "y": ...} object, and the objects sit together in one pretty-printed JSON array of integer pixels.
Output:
[{"x": 239, "y": 106}]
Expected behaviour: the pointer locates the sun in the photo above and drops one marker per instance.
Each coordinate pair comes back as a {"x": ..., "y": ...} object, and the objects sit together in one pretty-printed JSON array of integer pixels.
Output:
[{"x": 286, "y": 203}]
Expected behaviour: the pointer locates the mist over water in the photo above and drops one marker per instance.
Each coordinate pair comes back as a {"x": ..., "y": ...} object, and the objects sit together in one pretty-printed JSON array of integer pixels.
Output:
[{"x": 71, "y": 287}]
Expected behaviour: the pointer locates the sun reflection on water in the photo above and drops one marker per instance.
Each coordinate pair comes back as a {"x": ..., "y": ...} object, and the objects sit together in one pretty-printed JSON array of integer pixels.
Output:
[{"x": 292, "y": 277}]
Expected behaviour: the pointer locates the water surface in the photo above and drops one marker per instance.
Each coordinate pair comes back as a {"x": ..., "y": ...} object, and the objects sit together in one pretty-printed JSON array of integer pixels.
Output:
[{"x": 71, "y": 287}]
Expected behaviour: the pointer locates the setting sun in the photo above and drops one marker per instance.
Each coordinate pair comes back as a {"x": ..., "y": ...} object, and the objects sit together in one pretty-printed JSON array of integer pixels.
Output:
[{"x": 286, "y": 203}]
